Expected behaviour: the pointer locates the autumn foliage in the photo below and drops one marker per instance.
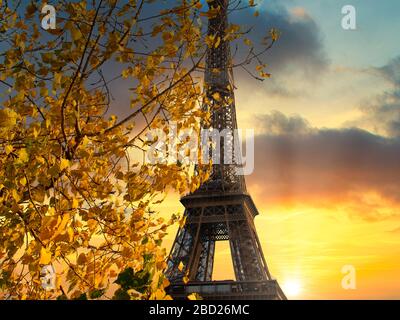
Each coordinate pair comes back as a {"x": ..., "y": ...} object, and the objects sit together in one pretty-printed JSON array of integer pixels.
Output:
[{"x": 72, "y": 193}]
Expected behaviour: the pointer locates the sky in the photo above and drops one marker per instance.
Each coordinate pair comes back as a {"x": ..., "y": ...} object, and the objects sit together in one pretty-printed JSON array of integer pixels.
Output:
[{"x": 326, "y": 178}]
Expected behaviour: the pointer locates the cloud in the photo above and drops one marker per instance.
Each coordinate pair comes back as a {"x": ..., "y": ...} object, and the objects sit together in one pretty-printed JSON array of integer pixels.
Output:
[
  {"x": 383, "y": 112},
  {"x": 300, "y": 47},
  {"x": 300, "y": 12},
  {"x": 277, "y": 123},
  {"x": 349, "y": 169}
]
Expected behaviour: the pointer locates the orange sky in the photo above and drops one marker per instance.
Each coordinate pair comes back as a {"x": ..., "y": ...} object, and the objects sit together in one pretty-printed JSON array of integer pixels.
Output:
[{"x": 307, "y": 247}]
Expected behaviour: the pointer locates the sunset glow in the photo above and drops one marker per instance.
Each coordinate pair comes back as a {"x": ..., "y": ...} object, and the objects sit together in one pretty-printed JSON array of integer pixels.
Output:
[{"x": 292, "y": 288}]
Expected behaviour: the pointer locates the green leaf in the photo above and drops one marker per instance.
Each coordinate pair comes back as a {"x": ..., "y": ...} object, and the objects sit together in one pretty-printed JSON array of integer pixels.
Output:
[
  {"x": 124, "y": 279},
  {"x": 121, "y": 294},
  {"x": 81, "y": 297},
  {"x": 139, "y": 281},
  {"x": 95, "y": 294}
]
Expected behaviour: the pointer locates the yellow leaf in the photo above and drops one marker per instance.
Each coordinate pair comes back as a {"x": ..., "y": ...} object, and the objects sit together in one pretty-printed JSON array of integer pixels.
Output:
[
  {"x": 70, "y": 232},
  {"x": 194, "y": 296},
  {"x": 180, "y": 266},
  {"x": 8, "y": 118},
  {"x": 274, "y": 34},
  {"x": 182, "y": 222},
  {"x": 45, "y": 256},
  {"x": 75, "y": 203},
  {"x": 23, "y": 181},
  {"x": 57, "y": 79},
  {"x": 216, "y": 96},
  {"x": 40, "y": 160},
  {"x": 9, "y": 149},
  {"x": 92, "y": 224},
  {"x": 165, "y": 282},
  {"x": 260, "y": 67},
  {"x": 64, "y": 163},
  {"x": 265, "y": 74},
  {"x": 15, "y": 195},
  {"x": 76, "y": 34},
  {"x": 46, "y": 57},
  {"x": 247, "y": 42},
  {"x": 218, "y": 42},
  {"x": 125, "y": 73},
  {"x": 44, "y": 92},
  {"x": 23, "y": 155},
  {"x": 159, "y": 294},
  {"x": 85, "y": 141},
  {"x": 35, "y": 133}
]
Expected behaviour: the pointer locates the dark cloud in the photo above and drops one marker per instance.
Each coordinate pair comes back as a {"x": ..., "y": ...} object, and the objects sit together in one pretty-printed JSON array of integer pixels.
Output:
[
  {"x": 300, "y": 48},
  {"x": 383, "y": 112},
  {"x": 276, "y": 123},
  {"x": 391, "y": 71},
  {"x": 327, "y": 167}
]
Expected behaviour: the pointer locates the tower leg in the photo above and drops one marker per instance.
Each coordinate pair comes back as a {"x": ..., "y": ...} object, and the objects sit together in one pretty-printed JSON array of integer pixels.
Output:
[
  {"x": 181, "y": 253},
  {"x": 247, "y": 258},
  {"x": 203, "y": 267}
]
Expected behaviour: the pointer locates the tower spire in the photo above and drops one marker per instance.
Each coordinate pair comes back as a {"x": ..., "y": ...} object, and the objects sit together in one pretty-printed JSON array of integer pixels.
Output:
[{"x": 220, "y": 102}]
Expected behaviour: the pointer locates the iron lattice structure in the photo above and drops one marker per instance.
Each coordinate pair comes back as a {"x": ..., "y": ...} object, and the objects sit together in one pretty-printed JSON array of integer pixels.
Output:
[{"x": 221, "y": 209}]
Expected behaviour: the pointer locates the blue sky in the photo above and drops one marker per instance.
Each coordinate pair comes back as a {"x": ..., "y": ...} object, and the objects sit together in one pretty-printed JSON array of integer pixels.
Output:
[
  {"x": 320, "y": 71},
  {"x": 373, "y": 43}
]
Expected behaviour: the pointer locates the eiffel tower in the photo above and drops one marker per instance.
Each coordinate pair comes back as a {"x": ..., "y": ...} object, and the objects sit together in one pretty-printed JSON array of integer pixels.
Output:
[{"x": 221, "y": 208}]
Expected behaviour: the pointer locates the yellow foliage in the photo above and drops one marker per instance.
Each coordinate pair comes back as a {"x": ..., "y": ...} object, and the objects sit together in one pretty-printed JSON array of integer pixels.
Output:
[
  {"x": 64, "y": 163},
  {"x": 8, "y": 118},
  {"x": 76, "y": 34},
  {"x": 23, "y": 155},
  {"x": 73, "y": 193},
  {"x": 194, "y": 296},
  {"x": 216, "y": 96},
  {"x": 45, "y": 256},
  {"x": 8, "y": 149},
  {"x": 274, "y": 33}
]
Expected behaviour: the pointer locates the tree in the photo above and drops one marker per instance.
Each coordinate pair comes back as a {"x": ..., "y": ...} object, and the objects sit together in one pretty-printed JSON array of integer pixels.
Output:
[{"x": 72, "y": 194}]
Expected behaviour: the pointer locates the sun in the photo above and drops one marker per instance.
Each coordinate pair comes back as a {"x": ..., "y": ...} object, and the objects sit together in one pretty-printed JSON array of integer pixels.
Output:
[{"x": 291, "y": 288}]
